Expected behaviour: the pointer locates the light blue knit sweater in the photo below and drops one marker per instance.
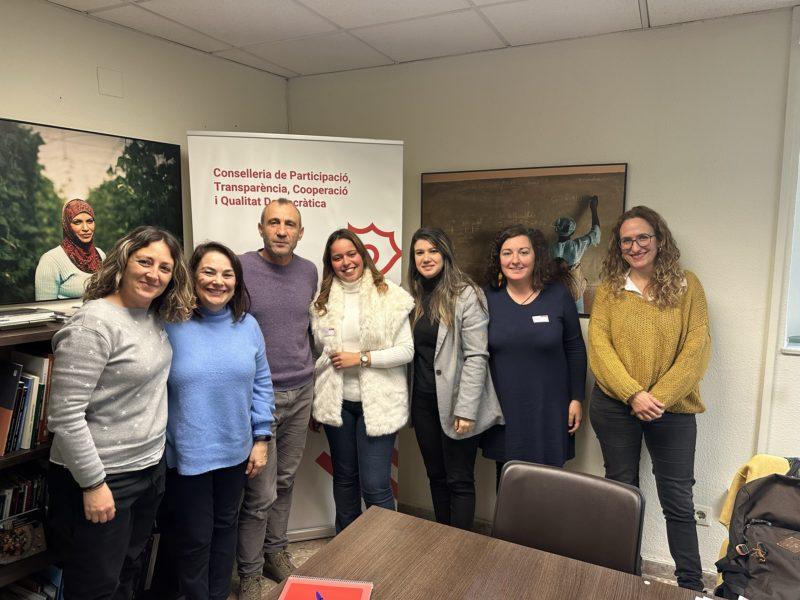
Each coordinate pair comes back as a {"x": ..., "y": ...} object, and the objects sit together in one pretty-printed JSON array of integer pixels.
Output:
[{"x": 220, "y": 392}]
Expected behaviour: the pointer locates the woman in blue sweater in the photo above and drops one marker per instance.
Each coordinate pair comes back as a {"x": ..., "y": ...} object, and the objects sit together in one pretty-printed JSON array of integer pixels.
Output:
[{"x": 220, "y": 418}]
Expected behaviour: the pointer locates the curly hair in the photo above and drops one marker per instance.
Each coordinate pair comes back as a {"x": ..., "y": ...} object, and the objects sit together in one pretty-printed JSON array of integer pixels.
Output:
[
  {"x": 175, "y": 303},
  {"x": 544, "y": 270},
  {"x": 321, "y": 303},
  {"x": 666, "y": 283},
  {"x": 452, "y": 282},
  {"x": 240, "y": 301}
]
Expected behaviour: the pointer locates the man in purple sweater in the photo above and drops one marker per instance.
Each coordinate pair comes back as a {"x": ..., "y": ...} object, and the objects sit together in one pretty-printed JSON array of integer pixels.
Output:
[{"x": 282, "y": 286}]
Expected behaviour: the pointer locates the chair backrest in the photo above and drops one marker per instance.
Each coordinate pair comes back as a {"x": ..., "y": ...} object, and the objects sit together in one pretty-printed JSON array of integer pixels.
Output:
[{"x": 580, "y": 516}]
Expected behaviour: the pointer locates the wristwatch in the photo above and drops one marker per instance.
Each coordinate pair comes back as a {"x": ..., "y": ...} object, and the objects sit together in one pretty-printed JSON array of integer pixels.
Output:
[
  {"x": 364, "y": 359},
  {"x": 262, "y": 438}
]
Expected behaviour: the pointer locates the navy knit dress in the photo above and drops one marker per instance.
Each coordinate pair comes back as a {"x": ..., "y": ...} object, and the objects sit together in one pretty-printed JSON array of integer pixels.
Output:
[{"x": 538, "y": 363}]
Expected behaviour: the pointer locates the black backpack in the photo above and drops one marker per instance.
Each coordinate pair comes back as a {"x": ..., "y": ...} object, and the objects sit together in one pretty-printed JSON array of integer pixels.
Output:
[{"x": 763, "y": 558}]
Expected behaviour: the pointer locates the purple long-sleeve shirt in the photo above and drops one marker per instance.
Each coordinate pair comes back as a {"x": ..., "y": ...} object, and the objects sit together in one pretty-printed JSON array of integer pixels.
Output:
[{"x": 281, "y": 296}]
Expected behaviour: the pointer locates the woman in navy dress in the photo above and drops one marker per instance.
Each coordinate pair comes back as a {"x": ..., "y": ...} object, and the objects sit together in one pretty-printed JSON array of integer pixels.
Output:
[{"x": 537, "y": 357}]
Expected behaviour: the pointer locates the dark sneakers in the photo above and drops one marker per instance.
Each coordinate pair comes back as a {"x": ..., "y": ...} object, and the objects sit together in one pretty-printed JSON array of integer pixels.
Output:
[
  {"x": 250, "y": 587},
  {"x": 278, "y": 565}
]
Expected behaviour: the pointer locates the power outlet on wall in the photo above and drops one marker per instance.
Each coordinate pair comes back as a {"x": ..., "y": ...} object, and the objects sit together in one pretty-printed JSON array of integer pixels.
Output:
[{"x": 702, "y": 514}]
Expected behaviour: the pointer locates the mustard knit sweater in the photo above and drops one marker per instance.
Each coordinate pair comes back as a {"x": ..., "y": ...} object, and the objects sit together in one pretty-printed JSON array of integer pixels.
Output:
[{"x": 634, "y": 346}]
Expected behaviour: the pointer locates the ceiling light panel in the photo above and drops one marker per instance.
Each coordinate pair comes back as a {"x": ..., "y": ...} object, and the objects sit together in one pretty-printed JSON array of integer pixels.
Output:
[{"x": 244, "y": 22}]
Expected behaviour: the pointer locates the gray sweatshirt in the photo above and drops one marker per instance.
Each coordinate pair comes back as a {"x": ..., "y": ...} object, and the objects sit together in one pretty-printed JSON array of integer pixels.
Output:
[{"x": 108, "y": 400}]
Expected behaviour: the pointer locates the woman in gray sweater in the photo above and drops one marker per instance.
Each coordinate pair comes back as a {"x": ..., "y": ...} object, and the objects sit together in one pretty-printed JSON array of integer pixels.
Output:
[{"x": 108, "y": 411}]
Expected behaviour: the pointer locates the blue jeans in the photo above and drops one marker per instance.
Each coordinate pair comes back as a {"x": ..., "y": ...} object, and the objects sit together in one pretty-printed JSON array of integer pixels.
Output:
[{"x": 362, "y": 466}]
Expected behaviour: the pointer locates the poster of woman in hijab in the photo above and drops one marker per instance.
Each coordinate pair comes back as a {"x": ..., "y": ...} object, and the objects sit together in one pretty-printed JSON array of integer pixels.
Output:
[
  {"x": 67, "y": 195},
  {"x": 573, "y": 206},
  {"x": 63, "y": 271}
]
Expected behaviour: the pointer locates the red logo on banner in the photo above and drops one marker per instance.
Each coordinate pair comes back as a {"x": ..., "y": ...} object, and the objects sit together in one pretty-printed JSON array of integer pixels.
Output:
[{"x": 375, "y": 238}]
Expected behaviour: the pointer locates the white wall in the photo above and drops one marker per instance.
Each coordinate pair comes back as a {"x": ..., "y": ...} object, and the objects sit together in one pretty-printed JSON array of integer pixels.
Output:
[
  {"x": 49, "y": 66},
  {"x": 697, "y": 112}
]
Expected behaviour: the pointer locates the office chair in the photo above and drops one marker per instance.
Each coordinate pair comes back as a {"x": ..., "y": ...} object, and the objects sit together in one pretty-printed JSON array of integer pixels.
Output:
[{"x": 580, "y": 516}]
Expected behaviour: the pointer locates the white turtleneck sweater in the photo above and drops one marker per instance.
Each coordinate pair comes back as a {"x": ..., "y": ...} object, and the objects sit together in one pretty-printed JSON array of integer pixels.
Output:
[{"x": 401, "y": 353}]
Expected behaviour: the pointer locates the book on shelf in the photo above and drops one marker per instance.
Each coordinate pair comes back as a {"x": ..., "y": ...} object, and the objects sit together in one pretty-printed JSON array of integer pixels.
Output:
[
  {"x": 10, "y": 373},
  {"x": 24, "y": 394},
  {"x": 17, "y": 317},
  {"x": 22, "y": 490},
  {"x": 40, "y": 365},
  {"x": 26, "y": 428},
  {"x": 15, "y": 436}
]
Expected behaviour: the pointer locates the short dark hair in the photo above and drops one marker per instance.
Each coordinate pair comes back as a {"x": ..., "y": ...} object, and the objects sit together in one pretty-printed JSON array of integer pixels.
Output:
[
  {"x": 240, "y": 302},
  {"x": 282, "y": 202}
]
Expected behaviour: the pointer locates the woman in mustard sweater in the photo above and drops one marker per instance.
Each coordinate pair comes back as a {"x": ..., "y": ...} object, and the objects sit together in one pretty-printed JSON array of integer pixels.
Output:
[{"x": 649, "y": 347}]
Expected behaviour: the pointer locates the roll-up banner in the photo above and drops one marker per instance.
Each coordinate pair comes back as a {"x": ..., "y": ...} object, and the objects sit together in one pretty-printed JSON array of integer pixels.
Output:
[{"x": 335, "y": 183}]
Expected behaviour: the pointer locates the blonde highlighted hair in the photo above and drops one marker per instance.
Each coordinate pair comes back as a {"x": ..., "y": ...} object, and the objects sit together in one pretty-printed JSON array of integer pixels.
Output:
[
  {"x": 666, "y": 283},
  {"x": 175, "y": 303}
]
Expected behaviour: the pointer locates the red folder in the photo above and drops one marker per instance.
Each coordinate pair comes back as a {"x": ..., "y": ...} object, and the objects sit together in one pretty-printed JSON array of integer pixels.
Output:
[{"x": 312, "y": 588}]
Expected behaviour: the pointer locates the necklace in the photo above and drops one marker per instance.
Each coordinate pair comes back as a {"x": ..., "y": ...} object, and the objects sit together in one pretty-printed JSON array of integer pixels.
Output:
[{"x": 531, "y": 295}]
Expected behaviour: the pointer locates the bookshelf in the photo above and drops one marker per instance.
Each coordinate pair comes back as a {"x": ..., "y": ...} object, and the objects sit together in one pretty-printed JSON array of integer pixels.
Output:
[
  {"x": 23, "y": 456},
  {"x": 28, "y": 335},
  {"x": 35, "y": 339}
]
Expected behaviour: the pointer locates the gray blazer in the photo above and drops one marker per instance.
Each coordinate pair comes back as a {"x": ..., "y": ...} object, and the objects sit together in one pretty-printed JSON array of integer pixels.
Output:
[{"x": 461, "y": 365}]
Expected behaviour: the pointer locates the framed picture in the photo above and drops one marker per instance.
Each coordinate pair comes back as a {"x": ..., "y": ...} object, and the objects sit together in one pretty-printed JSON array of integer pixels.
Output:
[
  {"x": 575, "y": 207},
  {"x": 68, "y": 195}
]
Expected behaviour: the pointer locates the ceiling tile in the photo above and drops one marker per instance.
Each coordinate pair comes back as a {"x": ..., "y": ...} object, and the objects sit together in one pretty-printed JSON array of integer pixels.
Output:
[
  {"x": 357, "y": 13},
  {"x": 666, "y": 12},
  {"x": 321, "y": 54},
  {"x": 244, "y": 22},
  {"x": 245, "y": 58},
  {"x": 147, "y": 22},
  {"x": 443, "y": 35},
  {"x": 534, "y": 21},
  {"x": 87, "y": 5}
]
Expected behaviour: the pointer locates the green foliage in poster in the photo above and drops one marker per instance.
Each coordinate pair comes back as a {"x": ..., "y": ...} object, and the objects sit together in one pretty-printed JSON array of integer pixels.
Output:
[
  {"x": 142, "y": 191},
  {"x": 142, "y": 187},
  {"x": 30, "y": 219}
]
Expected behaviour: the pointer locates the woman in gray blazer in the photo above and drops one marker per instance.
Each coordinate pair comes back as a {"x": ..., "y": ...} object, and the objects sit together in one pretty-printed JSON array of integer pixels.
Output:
[{"x": 452, "y": 395}]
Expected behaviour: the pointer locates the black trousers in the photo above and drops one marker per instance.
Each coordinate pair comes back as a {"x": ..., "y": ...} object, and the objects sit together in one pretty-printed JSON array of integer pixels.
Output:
[
  {"x": 103, "y": 560},
  {"x": 204, "y": 511},
  {"x": 450, "y": 464},
  {"x": 671, "y": 443}
]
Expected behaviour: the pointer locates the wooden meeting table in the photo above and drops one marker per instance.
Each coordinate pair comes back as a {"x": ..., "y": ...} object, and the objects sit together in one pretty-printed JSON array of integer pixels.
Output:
[{"x": 407, "y": 558}]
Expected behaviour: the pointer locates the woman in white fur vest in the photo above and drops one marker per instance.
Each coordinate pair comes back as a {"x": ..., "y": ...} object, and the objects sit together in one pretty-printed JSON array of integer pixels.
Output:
[{"x": 362, "y": 334}]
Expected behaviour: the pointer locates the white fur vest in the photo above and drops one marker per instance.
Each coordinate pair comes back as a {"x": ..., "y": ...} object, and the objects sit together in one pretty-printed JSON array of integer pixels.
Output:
[{"x": 384, "y": 392}]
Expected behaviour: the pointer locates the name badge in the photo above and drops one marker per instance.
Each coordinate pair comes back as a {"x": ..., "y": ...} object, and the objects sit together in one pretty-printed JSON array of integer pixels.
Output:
[
  {"x": 540, "y": 319},
  {"x": 329, "y": 332}
]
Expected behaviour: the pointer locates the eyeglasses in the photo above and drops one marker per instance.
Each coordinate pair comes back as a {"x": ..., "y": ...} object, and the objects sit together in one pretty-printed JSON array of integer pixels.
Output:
[{"x": 643, "y": 240}]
